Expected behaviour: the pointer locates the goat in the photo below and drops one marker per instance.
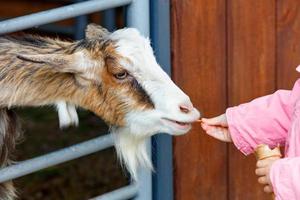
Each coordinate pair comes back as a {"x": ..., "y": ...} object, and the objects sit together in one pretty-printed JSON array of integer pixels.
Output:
[{"x": 115, "y": 75}]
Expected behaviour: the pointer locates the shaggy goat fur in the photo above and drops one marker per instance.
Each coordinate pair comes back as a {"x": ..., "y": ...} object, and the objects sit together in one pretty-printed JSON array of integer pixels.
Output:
[
  {"x": 115, "y": 75},
  {"x": 9, "y": 134},
  {"x": 29, "y": 81}
]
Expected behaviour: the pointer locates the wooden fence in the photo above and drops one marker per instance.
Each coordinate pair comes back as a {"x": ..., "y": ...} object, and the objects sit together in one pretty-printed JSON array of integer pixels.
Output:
[{"x": 225, "y": 53}]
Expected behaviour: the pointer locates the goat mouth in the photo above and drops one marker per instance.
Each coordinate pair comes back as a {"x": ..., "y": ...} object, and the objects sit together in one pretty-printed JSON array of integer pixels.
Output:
[{"x": 178, "y": 124}]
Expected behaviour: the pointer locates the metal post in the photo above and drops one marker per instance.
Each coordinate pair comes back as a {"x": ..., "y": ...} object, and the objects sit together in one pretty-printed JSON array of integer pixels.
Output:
[
  {"x": 162, "y": 144},
  {"x": 80, "y": 24},
  {"x": 126, "y": 192},
  {"x": 138, "y": 15},
  {"x": 109, "y": 19}
]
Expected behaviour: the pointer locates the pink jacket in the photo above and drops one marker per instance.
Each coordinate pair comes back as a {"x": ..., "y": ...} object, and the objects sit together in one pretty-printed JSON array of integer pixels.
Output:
[{"x": 272, "y": 120}]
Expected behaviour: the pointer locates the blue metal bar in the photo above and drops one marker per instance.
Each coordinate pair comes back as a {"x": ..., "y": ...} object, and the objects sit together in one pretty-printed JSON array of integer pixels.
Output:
[
  {"x": 126, "y": 192},
  {"x": 54, "y": 158},
  {"x": 109, "y": 19},
  {"x": 138, "y": 17},
  {"x": 80, "y": 24},
  {"x": 138, "y": 13},
  {"x": 58, "y": 29},
  {"x": 162, "y": 182},
  {"x": 57, "y": 14}
]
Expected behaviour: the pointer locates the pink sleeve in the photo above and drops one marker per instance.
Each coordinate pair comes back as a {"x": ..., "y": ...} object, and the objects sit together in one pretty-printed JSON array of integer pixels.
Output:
[
  {"x": 264, "y": 120},
  {"x": 285, "y": 177}
]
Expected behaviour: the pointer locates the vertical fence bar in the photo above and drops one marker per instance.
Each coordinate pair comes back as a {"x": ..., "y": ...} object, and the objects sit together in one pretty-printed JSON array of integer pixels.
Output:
[
  {"x": 109, "y": 19},
  {"x": 80, "y": 24},
  {"x": 162, "y": 182},
  {"x": 138, "y": 16}
]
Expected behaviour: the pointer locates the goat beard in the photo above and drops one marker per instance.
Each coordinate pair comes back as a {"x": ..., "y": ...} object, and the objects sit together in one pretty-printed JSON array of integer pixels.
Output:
[{"x": 132, "y": 150}]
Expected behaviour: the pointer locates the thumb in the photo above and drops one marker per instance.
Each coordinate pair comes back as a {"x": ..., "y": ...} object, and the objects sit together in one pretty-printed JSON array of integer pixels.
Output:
[{"x": 216, "y": 121}]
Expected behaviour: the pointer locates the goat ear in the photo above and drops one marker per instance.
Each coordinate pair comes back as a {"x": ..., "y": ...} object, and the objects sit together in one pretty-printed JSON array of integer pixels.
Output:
[
  {"x": 60, "y": 62},
  {"x": 94, "y": 31},
  {"x": 78, "y": 63}
]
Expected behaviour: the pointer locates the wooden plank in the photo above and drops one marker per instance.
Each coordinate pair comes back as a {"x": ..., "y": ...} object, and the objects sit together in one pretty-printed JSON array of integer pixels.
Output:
[
  {"x": 251, "y": 73},
  {"x": 199, "y": 67},
  {"x": 288, "y": 45}
]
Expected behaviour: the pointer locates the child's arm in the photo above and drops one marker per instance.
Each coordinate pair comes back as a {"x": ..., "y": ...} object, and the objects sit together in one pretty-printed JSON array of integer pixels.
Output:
[
  {"x": 285, "y": 176},
  {"x": 264, "y": 120}
]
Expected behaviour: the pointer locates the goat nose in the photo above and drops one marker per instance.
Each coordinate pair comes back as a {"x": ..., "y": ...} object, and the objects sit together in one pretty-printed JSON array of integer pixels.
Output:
[{"x": 186, "y": 108}]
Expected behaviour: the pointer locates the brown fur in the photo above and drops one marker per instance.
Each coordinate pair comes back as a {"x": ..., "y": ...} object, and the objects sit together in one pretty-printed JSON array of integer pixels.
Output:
[
  {"x": 9, "y": 134},
  {"x": 30, "y": 82}
]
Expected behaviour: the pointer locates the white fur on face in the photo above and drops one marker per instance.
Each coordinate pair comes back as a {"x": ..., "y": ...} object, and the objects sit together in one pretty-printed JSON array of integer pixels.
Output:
[
  {"x": 166, "y": 96},
  {"x": 132, "y": 150}
]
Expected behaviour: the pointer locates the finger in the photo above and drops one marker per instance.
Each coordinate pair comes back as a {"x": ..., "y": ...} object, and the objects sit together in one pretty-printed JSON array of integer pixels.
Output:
[
  {"x": 265, "y": 162},
  {"x": 206, "y": 127},
  {"x": 216, "y": 121},
  {"x": 268, "y": 189},
  {"x": 261, "y": 171},
  {"x": 262, "y": 180},
  {"x": 262, "y": 163},
  {"x": 220, "y": 134},
  {"x": 224, "y": 134}
]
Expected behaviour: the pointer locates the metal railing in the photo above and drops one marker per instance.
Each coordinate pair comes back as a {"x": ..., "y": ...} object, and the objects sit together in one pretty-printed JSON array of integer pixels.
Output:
[{"x": 138, "y": 17}]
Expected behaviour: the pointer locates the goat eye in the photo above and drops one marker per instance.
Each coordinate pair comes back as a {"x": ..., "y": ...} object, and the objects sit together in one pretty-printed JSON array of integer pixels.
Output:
[{"x": 121, "y": 75}]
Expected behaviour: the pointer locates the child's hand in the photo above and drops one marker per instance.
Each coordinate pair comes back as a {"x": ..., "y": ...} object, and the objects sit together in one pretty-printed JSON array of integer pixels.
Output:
[
  {"x": 263, "y": 171},
  {"x": 217, "y": 127}
]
